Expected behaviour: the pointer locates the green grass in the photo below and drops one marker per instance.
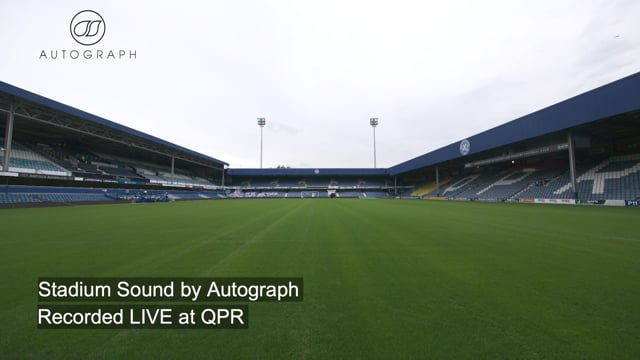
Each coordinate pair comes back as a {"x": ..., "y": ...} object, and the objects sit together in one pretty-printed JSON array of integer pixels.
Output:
[{"x": 383, "y": 278}]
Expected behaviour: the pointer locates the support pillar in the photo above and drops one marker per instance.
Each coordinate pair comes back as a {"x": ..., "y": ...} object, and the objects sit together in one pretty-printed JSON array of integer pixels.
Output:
[
  {"x": 173, "y": 163},
  {"x": 395, "y": 185},
  {"x": 572, "y": 165},
  {"x": 8, "y": 139}
]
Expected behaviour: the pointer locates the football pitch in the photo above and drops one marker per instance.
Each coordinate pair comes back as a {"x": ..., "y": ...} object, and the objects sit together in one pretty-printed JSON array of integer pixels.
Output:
[{"x": 382, "y": 278}]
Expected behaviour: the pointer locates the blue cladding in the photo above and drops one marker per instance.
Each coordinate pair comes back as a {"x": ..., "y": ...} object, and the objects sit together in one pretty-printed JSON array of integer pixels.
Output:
[
  {"x": 612, "y": 99},
  {"x": 307, "y": 172}
]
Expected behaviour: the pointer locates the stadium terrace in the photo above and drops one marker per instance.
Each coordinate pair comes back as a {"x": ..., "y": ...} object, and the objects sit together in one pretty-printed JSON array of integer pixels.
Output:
[{"x": 100, "y": 54}]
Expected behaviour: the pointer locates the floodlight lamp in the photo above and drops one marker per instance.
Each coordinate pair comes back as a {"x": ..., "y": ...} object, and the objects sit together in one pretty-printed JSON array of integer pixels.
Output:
[
  {"x": 373, "y": 122},
  {"x": 262, "y": 122}
]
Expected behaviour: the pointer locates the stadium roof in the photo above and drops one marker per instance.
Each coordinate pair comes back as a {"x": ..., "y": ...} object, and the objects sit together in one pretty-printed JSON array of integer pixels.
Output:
[
  {"x": 307, "y": 172},
  {"x": 584, "y": 113},
  {"x": 607, "y": 112},
  {"x": 44, "y": 110},
  {"x": 616, "y": 98}
]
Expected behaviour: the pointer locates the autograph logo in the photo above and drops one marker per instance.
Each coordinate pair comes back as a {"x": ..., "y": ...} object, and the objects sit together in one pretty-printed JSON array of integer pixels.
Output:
[{"x": 87, "y": 27}]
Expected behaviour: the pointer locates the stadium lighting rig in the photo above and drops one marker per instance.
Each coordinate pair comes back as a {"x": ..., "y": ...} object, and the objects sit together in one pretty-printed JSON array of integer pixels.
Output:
[
  {"x": 374, "y": 122},
  {"x": 261, "y": 122}
]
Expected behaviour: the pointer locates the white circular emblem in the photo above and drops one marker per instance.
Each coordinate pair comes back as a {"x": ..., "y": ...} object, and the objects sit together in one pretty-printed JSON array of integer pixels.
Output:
[
  {"x": 316, "y": 171},
  {"x": 87, "y": 27},
  {"x": 465, "y": 147}
]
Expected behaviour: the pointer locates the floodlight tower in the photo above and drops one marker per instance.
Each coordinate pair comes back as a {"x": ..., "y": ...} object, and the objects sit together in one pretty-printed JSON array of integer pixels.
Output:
[
  {"x": 374, "y": 122},
  {"x": 261, "y": 122}
]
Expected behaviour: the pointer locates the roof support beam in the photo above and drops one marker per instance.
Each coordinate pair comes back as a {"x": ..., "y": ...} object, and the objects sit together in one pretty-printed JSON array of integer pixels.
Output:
[{"x": 8, "y": 138}]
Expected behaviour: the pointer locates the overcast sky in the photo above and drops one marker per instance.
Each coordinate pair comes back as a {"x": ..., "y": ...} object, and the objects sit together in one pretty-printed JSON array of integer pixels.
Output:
[{"x": 433, "y": 72}]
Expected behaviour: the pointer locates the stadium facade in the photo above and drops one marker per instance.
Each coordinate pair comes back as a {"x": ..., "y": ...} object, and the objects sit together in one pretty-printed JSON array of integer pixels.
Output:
[{"x": 585, "y": 149}]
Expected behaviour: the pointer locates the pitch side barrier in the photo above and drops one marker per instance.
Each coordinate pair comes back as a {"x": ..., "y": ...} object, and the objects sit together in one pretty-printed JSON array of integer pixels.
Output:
[
  {"x": 628, "y": 203},
  {"x": 631, "y": 203}
]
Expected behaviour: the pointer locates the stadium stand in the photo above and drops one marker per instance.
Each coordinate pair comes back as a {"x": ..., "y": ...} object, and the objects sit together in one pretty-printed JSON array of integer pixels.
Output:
[
  {"x": 56, "y": 147},
  {"x": 429, "y": 188},
  {"x": 311, "y": 187},
  {"x": 16, "y": 194},
  {"x": 44, "y": 159},
  {"x": 44, "y": 194},
  {"x": 468, "y": 185},
  {"x": 155, "y": 173},
  {"x": 614, "y": 178},
  {"x": 25, "y": 160}
]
